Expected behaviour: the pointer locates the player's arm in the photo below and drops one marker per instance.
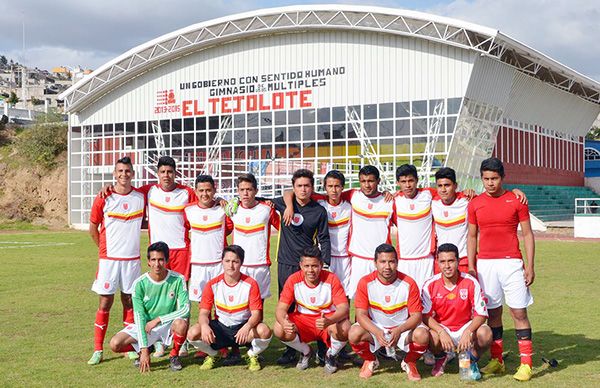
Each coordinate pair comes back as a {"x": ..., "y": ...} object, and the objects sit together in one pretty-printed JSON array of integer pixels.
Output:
[
  {"x": 323, "y": 237},
  {"x": 203, "y": 319},
  {"x": 94, "y": 233},
  {"x": 341, "y": 313},
  {"x": 445, "y": 339},
  {"x": 363, "y": 319},
  {"x": 529, "y": 241},
  {"x": 183, "y": 304},
  {"x": 520, "y": 196},
  {"x": 281, "y": 316},
  {"x": 415, "y": 316},
  {"x": 472, "y": 247},
  {"x": 256, "y": 315},
  {"x": 96, "y": 217},
  {"x": 466, "y": 339},
  {"x": 139, "y": 318}
]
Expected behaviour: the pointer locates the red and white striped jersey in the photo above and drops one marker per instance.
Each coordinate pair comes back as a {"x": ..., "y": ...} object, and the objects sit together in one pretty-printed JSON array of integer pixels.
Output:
[
  {"x": 453, "y": 307},
  {"x": 388, "y": 305},
  {"x": 415, "y": 225},
  {"x": 165, "y": 214},
  {"x": 252, "y": 231},
  {"x": 451, "y": 222},
  {"x": 338, "y": 220},
  {"x": 208, "y": 230},
  {"x": 310, "y": 300},
  {"x": 120, "y": 219},
  {"x": 370, "y": 223},
  {"x": 233, "y": 303}
]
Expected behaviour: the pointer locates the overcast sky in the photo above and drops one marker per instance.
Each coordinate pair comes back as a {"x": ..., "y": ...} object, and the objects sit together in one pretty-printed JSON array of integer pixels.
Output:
[{"x": 90, "y": 33}]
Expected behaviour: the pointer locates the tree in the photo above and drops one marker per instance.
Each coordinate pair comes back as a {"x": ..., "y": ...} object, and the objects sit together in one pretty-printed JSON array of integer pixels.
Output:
[
  {"x": 13, "y": 99},
  {"x": 3, "y": 60},
  {"x": 593, "y": 134}
]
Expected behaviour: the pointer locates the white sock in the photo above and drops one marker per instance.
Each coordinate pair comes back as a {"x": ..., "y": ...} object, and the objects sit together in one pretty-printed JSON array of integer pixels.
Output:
[
  {"x": 298, "y": 345},
  {"x": 204, "y": 347},
  {"x": 336, "y": 346},
  {"x": 259, "y": 345}
]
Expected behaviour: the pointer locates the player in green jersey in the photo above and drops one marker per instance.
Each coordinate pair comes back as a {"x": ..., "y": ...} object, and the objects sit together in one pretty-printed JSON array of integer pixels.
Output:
[{"x": 161, "y": 311}]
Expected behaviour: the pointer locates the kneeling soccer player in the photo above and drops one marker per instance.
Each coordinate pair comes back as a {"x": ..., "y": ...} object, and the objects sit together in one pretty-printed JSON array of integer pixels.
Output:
[
  {"x": 321, "y": 311},
  {"x": 161, "y": 310},
  {"x": 455, "y": 311},
  {"x": 239, "y": 311},
  {"x": 388, "y": 314}
]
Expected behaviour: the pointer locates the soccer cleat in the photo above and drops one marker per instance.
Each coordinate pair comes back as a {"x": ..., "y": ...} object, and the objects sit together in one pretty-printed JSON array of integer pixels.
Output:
[
  {"x": 524, "y": 373},
  {"x": 199, "y": 354},
  {"x": 344, "y": 355},
  {"x": 320, "y": 355},
  {"x": 428, "y": 358},
  {"x": 175, "y": 363},
  {"x": 209, "y": 362},
  {"x": 136, "y": 363},
  {"x": 304, "y": 360},
  {"x": 233, "y": 358},
  {"x": 132, "y": 355},
  {"x": 330, "y": 363},
  {"x": 288, "y": 357},
  {"x": 438, "y": 367},
  {"x": 493, "y": 367},
  {"x": 253, "y": 364},
  {"x": 159, "y": 350},
  {"x": 96, "y": 358},
  {"x": 475, "y": 373},
  {"x": 368, "y": 368},
  {"x": 411, "y": 371}
]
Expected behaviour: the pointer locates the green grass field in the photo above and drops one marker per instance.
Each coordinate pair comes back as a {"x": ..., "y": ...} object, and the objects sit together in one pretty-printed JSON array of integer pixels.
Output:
[{"x": 47, "y": 312}]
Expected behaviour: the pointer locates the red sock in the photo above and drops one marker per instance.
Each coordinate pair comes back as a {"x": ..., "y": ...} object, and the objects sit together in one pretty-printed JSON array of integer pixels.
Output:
[
  {"x": 127, "y": 348},
  {"x": 363, "y": 350},
  {"x": 100, "y": 327},
  {"x": 496, "y": 350},
  {"x": 415, "y": 352},
  {"x": 127, "y": 317},
  {"x": 178, "y": 340},
  {"x": 526, "y": 350},
  {"x": 224, "y": 352}
]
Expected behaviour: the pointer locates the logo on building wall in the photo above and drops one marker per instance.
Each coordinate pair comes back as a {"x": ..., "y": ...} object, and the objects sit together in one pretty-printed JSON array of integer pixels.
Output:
[{"x": 166, "y": 102}]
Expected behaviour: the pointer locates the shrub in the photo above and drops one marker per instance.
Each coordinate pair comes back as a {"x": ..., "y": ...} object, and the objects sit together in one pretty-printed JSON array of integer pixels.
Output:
[{"x": 43, "y": 142}]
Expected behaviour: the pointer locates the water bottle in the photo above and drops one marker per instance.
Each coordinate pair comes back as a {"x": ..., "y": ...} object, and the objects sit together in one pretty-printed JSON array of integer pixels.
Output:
[
  {"x": 464, "y": 365},
  {"x": 390, "y": 351}
]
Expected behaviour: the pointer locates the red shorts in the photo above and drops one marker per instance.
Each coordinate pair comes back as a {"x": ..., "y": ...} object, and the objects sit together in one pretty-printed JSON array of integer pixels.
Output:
[
  {"x": 463, "y": 266},
  {"x": 307, "y": 328},
  {"x": 179, "y": 261}
]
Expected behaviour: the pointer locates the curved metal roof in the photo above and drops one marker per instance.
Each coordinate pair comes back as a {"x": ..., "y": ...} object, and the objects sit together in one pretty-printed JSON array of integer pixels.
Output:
[{"x": 444, "y": 30}]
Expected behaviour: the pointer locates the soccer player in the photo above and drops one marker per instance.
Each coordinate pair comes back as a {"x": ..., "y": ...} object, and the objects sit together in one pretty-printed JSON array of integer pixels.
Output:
[
  {"x": 162, "y": 310},
  {"x": 252, "y": 231},
  {"x": 321, "y": 311},
  {"x": 208, "y": 227},
  {"x": 238, "y": 310},
  {"x": 455, "y": 311},
  {"x": 388, "y": 314},
  {"x": 494, "y": 217},
  {"x": 115, "y": 223}
]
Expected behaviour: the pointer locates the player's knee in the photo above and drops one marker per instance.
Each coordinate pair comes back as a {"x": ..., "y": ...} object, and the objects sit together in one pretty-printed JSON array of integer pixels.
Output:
[
  {"x": 355, "y": 334},
  {"x": 421, "y": 336},
  {"x": 278, "y": 330},
  {"x": 484, "y": 336},
  {"x": 115, "y": 344},
  {"x": 263, "y": 331},
  {"x": 519, "y": 315},
  {"x": 180, "y": 326},
  {"x": 194, "y": 333}
]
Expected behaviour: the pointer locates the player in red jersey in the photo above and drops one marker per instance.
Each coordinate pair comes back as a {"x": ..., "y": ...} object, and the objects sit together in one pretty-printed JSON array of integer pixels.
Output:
[
  {"x": 321, "y": 311},
  {"x": 238, "y": 310},
  {"x": 115, "y": 223},
  {"x": 388, "y": 314},
  {"x": 454, "y": 309},
  {"x": 494, "y": 217}
]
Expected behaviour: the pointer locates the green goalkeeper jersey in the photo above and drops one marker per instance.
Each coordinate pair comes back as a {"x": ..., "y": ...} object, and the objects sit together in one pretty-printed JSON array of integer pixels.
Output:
[{"x": 167, "y": 299}]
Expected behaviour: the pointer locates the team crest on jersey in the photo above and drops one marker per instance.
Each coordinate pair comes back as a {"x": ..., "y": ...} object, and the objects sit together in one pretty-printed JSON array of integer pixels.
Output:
[
  {"x": 107, "y": 285},
  {"x": 333, "y": 214},
  {"x": 195, "y": 291},
  {"x": 247, "y": 220},
  {"x": 230, "y": 297},
  {"x": 171, "y": 294},
  {"x": 205, "y": 218},
  {"x": 388, "y": 299},
  {"x": 313, "y": 299},
  {"x": 297, "y": 220},
  {"x": 125, "y": 206},
  {"x": 464, "y": 293},
  {"x": 370, "y": 206},
  {"x": 445, "y": 213},
  {"x": 412, "y": 206},
  {"x": 167, "y": 199}
]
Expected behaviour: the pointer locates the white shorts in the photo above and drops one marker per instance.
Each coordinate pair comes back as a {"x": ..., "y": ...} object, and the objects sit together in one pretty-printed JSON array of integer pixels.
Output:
[
  {"x": 262, "y": 275},
  {"x": 200, "y": 275},
  {"x": 359, "y": 268},
  {"x": 341, "y": 267},
  {"x": 503, "y": 279},
  {"x": 455, "y": 335},
  {"x": 116, "y": 274},
  {"x": 418, "y": 269},
  {"x": 402, "y": 345},
  {"x": 160, "y": 333}
]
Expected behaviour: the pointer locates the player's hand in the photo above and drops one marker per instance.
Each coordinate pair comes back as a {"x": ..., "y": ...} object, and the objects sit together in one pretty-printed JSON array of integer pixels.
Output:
[
  {"x": 466, "y": 341},
  {"x": 270, "y": 203},
  {"x": 322, "y": 322},
  {"x": 144, "y": 360},
  {"x": 520, "y": 196},
  {"x": 221, "y": 202},
  {"x": 152, "y": 324},
  {"x": 380, "y": 335},
  {"x": 529, "y": 275},
  {"x": 207, "y": 334},
  {"x": 288, "y": 326},
  {"x": 446, "y": 340},
  {"x": 106, "y": 190},
  {"x": 472, "y": 272},
  {"x": 469, "y": 193},
  {"x": 243, "y": 335},
  {"x": 395, "y": 332},
  {"x": 288, "y": 215},
  {"x": 387, "y": 196}
]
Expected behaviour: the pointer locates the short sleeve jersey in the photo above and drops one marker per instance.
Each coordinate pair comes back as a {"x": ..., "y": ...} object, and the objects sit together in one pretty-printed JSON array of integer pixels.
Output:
[
  {"x": 498, "y": 219},
  {"x": 338, "y": 220},
  {"x": 120, "y": 219},
  {"x": 233, "y": 303},
  {"x": 208, "y": 230},
  {"x": 370, "y": 223},
  {"x": 165, "y": 215},
  {"x": 388, "y": 305},
  {"x": 167, "y": 299},
  {"x": 451, "y": 222},
  {"x": 252, "y": 231},
  {"x": 453, "y": 307},
  {"x": 313, "y": 300},
  {"x": 415, "y": 225}
]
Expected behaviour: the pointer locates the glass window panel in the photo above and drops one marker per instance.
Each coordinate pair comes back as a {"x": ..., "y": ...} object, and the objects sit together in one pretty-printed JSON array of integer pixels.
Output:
[
  {"x": 294, "y": 117},
  {"x": 419, "y": 108},
  {"x": 308, "y": 132},
  {"x": 324, "y": 115},
  {"x": 324, "y": 149},
  {"x": 371, "y": 128},
  {"x": 167, "y": 139},
  {"x": 280, "y": 117},
  {"x": 239, "y": 136},
  {"x": 239, "y": 121},
  {"x": 252, "y": 135},
  {"x": 108, "y": 129},
  {"x": 419, "y": 127},
  {"x": 176, "y": 139},
  {"x": 213, "y": 122},
  {"x": 130, "y": 128},
  {"x": 252, "y": 120},
  {"x": 279, "y": 134},
  {"x": 188, "y": 124},
  {"x": 266, "y": 119},
  {"x": 338, "y": 148},
  {"x": 119, "y": 129},
  {"x": 338, "y": 131},
  {"x": 338, "y": 114},
  {"x": 402, "y": 145},
  {"x": 176, "y": 125},
  {"x": 433, "y": 104},
  {"x": 165, "y": 125},
  {"x": 403, "y": 109},
  {"x": 151, "y": 142},
  {"x": 188, "y": 139},
  {"x": 293, "y": 134},
  {"x": 212, "y": 135},
  {"x": 265, "y": 135},
  {"x": 419, "y": 143},
  {"x": 200, "y": 139},
  {"x": 386, "y": 111},
  {"x": 228, "y": 136},
  {"x": 324, "y": 132},
  {"x": 453, "y": 105},
  {"x": 386, "y": 128},
  {"x": 98, "y": 130},
  {"x": 351, "y": 134},
  {"x": 308, "y": 116},
  {"x": 200, "y": 123},
  {"x": 451, "y": 124},
  {"x": 370, "y": 112},
  {"x": 386, "y": 146},
  {"x": 141, "y": 127},
  {"x": 308, "y": 149}
]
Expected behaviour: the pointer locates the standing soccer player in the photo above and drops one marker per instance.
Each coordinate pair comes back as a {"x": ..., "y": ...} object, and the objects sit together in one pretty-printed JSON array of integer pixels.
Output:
[
  {"x": 115, "y": 223},
  {"x": 455, "y": 311},
  {"x": 388, "y": 314},
  {"x": 494, "y": 217},
  {"x": 321, "y": 311},
  {"x": 162, "y": 310},
  {"x": 238, "y": 310}
]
